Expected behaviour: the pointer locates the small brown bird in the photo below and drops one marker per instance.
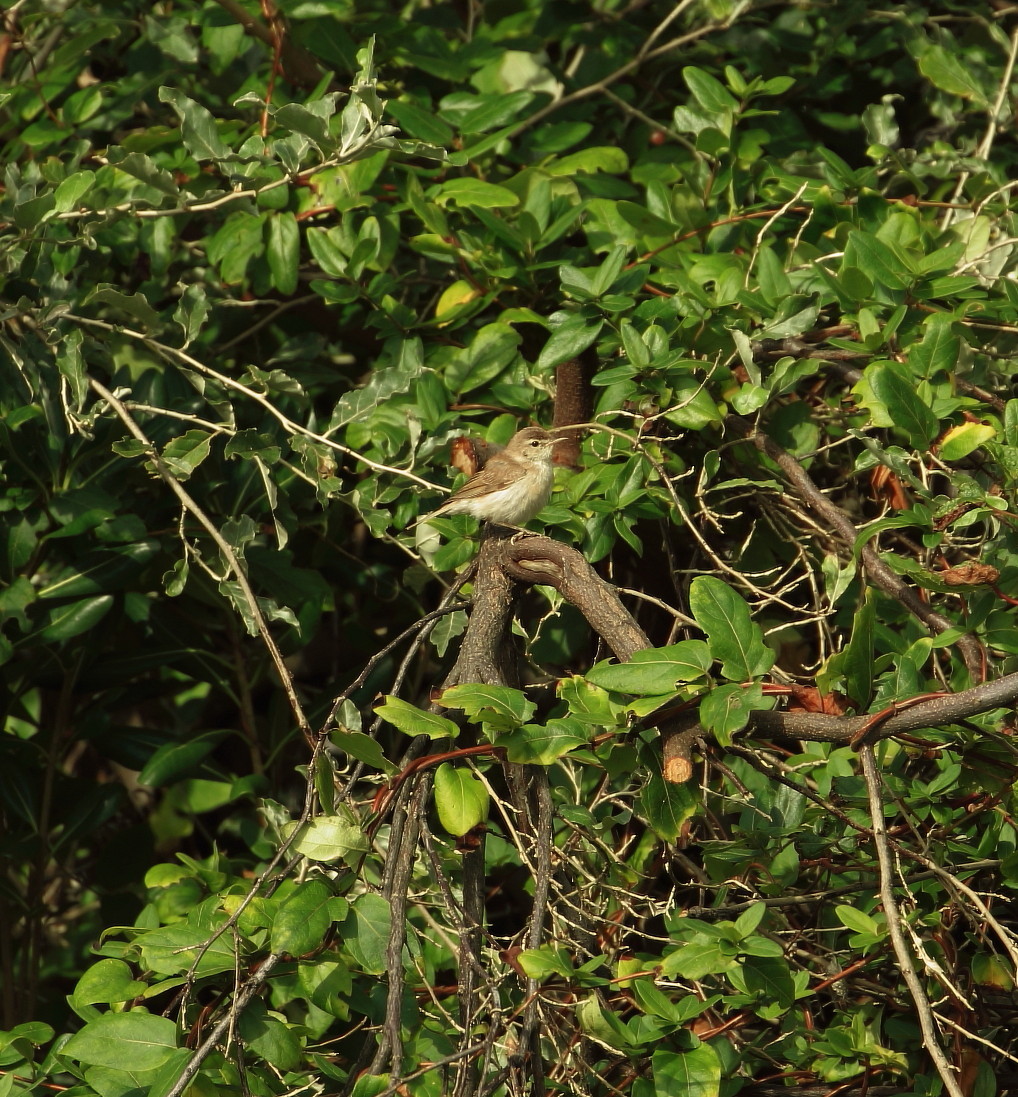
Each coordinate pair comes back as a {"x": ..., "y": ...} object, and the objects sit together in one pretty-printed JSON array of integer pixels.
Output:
[{"x": 514, "y": 484}]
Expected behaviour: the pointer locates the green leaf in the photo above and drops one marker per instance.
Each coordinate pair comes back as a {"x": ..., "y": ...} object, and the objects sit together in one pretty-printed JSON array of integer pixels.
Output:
[
  {"x": 856, "y": 920},
  {"x": 327, "y": 252},
  {"x": 144, "y": 168},
  {"x": 172, "y": 761},
  {"x": 608, "y": 159},
  {"x": 856, "y": 659},
  {"x": 73, "y": 188},
  {"x": 362, "y": 747},
  {"x": 695, "y": 1073},
  {"x": 134, "y": 306},
  {"x": 461, "y": 799},
  {"x": 540, "y": 963},
  {"x": 877, "y": 260},
  {"x": 198, "y": 127},
  {"x": 709, "y": 92},
  {"x": 961, "y": 440},
  {"x": 72, "y": 365},
  {"x": 186, "y": 452},
  {"x": 475, "y": 192},
  {"x": 329, "y": 838},
  {"x": 70, "y": 621},
  {"x": 543, "y": 744},
  {"x": 493, "y": 111},
  {"x": 567, "y": 341},
  {"x": 667, "y": 806},
  {"x": 726, "y": 709},
  {"x": 733, "y": 637},
  {"x": 420, "y": 123},
  {"x": 191, "y": 312},
  {"x": 384, "y": 383},
  {"x": 767, "y": 978},
  {"x": 106, "y": 982},
  {"x": 239, "y": 240},
  {"x": 282, "y": 250},
  {"x": 749, "y": 920},
  {"x": 655, "y": 671},
  {"x": 308, "y": 123},
  {"x": 492, "y": 350},
  {"x": 129, "y": 1041},
  {"x": 497, "y": 706},
  {"x": 32, "y": 212},
  {"x": 302, "y": 919},
  {"x": 174, "y": 949},
  {"x": 269, "y": 1037},
  {"x": 946, "y": 71},
  {"x": 602, "y": 1026},
  {"x": 894, "y": 389},
  {"x": 938, "y": 350},
  {"x": 365, "y": 932},
  {"x": 588, "y": 702},
  {"x": 414, "y": 721}
]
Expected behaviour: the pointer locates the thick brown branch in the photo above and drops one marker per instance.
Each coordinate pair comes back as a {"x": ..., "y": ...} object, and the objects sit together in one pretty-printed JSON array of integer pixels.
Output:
[
  {"x": 541, "y": 560},
  {"x": 487, "y": 654},
  {"x": 934, "y": 713}
]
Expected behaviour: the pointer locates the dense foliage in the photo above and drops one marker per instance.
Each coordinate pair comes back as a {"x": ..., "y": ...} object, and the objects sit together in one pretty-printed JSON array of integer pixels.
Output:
[{"x": 259, "y": 268}]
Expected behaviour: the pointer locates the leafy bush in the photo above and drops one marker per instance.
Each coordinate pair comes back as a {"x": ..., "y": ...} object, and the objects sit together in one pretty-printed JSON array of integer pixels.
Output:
[{"x": 717, "y": 795}]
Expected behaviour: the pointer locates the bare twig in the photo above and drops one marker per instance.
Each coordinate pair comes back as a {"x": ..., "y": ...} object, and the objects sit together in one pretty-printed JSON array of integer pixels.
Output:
[
  {"x": 647, "y": 52},
  {"x": 844, "y": 529},
  {"x": 398, "y": 867},
  {"x": 224, "y": 379},
  {"x": 189, "y": 504},
  {"x": 248, "y": 991},
  {"x": 894, "y": 927}
]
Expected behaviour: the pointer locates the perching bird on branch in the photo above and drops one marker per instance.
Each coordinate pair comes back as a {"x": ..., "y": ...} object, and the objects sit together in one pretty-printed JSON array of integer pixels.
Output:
[{"x": 514, "y": 484}]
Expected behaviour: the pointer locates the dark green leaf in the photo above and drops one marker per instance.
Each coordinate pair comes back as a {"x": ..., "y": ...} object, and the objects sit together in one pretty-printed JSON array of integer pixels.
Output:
[
  {"x": 894, "y": 389},
  {"x": 567, "y": 341},
  {"x": 175, "y": 760},
  {"x": 877, "y": 260},
  {"x": 302, "y": 919},
  {"x": 282, "y": 250}
]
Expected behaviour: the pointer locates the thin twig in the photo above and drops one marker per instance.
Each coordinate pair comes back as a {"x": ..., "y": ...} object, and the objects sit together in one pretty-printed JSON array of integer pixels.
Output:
[
  {"x": 224, "y": 379},
  {"x": 894, "y": 927},
  {"x": 224, "y": 547},
  {"x": 248, "y": 991},
  {"x": 645, "y": 53}
]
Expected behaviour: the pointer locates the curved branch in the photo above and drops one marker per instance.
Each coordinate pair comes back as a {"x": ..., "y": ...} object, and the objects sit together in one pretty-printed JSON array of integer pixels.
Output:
[
  {"x": 541, "y": 560},
  {"x": 894, "y": 926}
]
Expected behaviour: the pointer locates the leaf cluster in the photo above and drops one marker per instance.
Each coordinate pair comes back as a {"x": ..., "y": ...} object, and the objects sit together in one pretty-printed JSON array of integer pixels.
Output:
[{"x": 259, "y": 268}]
